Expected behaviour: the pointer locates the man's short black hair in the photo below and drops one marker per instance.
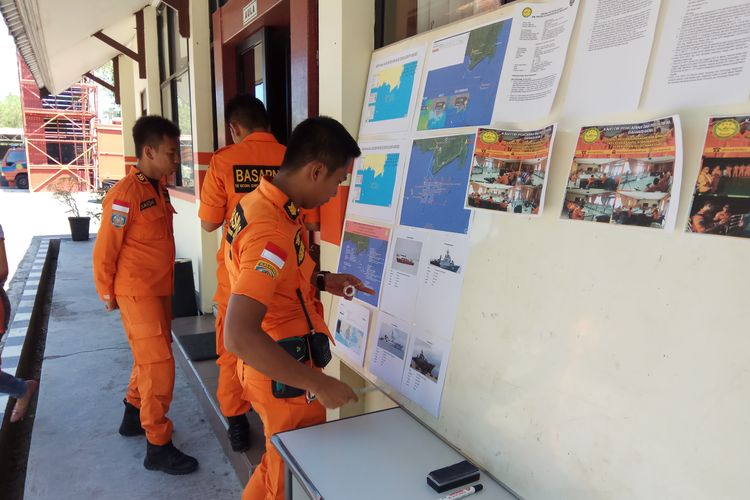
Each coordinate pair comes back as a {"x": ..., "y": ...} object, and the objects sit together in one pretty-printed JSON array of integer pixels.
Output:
[
  {"x": 151, "y": 130},
  {"x": 248, "y": 111},
  {"x": 320, "y": 139}
]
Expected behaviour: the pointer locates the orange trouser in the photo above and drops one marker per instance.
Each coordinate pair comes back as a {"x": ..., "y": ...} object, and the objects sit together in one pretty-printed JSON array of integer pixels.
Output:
[
  {"x": 147, "y": 322},
  {"x": 277, "y": 415},
  {"x": 229, "y": 389}
]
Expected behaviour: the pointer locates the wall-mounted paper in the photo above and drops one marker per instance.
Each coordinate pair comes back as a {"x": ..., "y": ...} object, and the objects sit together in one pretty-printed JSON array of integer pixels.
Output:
[
  {"x": 376, "y": 180},
  {"x": 612, "y": 57},
  {"x": 350, "y": 331},
  {"x": 721, "y": 200},
  {"x": 509, "y": 170},
  {"x": 626, "y": 174},
  {"x": 390, "y": 97},
  {"x": 703, "y": 56}
]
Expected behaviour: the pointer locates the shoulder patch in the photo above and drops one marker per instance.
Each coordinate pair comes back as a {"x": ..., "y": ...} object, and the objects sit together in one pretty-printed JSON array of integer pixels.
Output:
[
  {"x": 266, "y": 268},
  {"x": 299, "y": 247},
  {"x": 291, "y": 210},
  {"x": 141, "y": 177},
  {"x": 151, "y": 202},
  {"x": 247, "y": 177},
  {"x": 119, "y": 220},
  {"x": 236, "y": 223}
]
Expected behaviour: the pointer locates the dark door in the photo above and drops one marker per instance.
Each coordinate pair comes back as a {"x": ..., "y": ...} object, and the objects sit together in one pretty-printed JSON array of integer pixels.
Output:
[{"x": 263, "y": 71}]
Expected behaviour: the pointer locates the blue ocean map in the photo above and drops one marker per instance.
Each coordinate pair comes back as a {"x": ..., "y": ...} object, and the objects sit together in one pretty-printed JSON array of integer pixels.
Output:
[
  {"x": 464, "y": 94},
  {"x": 391, "y": 99},
  {"x": 364, "y": 257},
  {"x": 376, "y": 179},
  {"x": 435, "y": 189}
]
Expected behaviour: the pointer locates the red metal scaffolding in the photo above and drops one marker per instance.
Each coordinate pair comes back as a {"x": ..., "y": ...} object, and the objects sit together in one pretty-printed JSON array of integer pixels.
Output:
[{"x": 59, "y": 133}]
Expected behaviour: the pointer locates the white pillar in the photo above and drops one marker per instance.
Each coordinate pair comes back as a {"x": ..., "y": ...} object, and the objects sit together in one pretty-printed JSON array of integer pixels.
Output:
[{"x": 345, "y": 43}]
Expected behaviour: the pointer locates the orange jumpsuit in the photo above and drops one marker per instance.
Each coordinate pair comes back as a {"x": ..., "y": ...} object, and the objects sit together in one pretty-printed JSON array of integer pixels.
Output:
[
  {"x": 233, "y": 172},
  {"x": 267, "y": 259},
  {"x": 134, "y": 262}
]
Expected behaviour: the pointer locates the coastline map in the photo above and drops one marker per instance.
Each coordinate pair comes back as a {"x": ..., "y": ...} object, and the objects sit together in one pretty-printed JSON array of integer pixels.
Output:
[
  {"x": 436, "y": 184},
  {"x": 463, "y": 79}
]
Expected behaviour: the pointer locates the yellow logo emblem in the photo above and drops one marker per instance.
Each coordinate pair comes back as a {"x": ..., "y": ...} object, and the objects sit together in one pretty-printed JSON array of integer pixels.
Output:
[
  {"x": 299, "y": 247},
  {"x": 526, "y": 12},
  {"x": 724, "y": 129},
  {"x": 489, "y": 136},
  {"x": 590, "y": 135}
]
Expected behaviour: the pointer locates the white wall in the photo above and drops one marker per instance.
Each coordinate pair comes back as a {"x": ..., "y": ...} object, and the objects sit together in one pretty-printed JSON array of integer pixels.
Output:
[{"x": 596, "y": 361}]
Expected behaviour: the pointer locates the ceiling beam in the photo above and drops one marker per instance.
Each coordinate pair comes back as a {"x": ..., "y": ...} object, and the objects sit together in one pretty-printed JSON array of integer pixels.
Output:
[{"x": 140, "y": 56}]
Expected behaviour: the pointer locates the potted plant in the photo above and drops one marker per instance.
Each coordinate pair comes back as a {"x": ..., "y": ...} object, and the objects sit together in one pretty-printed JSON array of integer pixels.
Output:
[{"x": 64, "y": 191}]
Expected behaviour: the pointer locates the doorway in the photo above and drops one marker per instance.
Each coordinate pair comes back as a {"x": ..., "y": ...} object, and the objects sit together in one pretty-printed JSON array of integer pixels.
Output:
[{"x": 263, "y": 64}]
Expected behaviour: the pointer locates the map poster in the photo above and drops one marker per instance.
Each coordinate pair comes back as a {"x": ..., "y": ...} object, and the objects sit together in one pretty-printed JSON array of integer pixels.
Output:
[
  {"x": 462, "y": 79},
  {"x": 626, "y": 174},
  {"x": 376, "y": 181},
  {"x": 424, "y": 376},
  {"x": 435, "y": 187},
  {"x": 388, "y": 350},
  {"x": 350, "y": 331},
  {"x": 509, "y": 170},
  {"x": 363, "y": 253},
  {"x": 390, "y": 97},
  {"x": 721, "y": 199}
]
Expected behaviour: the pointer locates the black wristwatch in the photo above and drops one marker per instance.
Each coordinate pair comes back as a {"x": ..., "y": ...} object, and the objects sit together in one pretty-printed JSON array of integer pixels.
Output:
[{"x": 320, "y": 280}]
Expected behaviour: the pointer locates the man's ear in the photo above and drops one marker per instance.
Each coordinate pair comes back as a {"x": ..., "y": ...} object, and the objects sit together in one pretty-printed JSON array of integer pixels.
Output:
[
  {"x": 318, "y": 170},
  {"x": 149, "y": 152}
]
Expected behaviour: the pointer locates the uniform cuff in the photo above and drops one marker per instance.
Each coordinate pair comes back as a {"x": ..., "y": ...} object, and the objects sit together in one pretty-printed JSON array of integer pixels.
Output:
[{"x": 207, "y": 213}]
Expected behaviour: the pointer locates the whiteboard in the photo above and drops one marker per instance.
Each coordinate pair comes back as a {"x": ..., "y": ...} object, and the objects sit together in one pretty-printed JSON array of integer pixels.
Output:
[{"x": 598, "y": 361}]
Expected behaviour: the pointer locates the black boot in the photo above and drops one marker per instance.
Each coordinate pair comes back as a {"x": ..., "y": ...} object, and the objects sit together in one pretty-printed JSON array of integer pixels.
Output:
[
  {"x": 131, "y": 421},
  {"x": 239, "y": 433},
  {"x": 169, "y": 459}
]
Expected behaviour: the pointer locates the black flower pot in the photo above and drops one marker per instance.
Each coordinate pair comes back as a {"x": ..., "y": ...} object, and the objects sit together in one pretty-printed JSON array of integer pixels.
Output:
[{"x": 79, "y": 228}]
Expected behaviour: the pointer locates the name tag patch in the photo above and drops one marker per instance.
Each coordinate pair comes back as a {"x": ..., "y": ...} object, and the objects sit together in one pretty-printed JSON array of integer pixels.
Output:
[
  {"x": 151, "y": 202},
  {"x": 266, "y": 268},
  {"x": 247, "y": 177}
]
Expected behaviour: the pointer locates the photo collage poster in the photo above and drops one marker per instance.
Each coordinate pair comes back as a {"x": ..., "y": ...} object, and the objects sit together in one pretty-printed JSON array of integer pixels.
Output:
[
  {"x": 626, "y": 174},
  {"x": 721, "y": 197}
]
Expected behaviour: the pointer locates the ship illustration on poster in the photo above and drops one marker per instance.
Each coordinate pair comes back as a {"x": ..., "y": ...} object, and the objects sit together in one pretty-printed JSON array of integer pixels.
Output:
[
  {"x": 393, "y": 340},
  {"x": 422, "y": 365},
  {"x": 446, "y": 262},
  {"x": 403, "y": 259}
]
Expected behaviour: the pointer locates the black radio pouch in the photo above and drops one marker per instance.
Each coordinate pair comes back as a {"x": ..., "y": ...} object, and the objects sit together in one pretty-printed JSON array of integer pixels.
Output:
[
  {"x": 296, "y": 347},
  {"x": 314, "y": 345}
]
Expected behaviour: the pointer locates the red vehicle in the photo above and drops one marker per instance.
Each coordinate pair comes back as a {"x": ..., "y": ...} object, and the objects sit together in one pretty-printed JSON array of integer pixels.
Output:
[{"x": 14, "y": 168}]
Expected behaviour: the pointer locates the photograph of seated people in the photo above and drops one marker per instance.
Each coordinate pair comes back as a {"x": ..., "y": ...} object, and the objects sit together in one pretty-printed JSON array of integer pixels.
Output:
[
  {"x": 517, "y": 200},
  {"x": 724, "y": 177},
  {"x": 641, "y": 209},
  {"x": 720, "y": 215},
  {"x": 596, "y": 207},
  {"x": 599, "y": 174},
  {"x": 491, "y": 171}
]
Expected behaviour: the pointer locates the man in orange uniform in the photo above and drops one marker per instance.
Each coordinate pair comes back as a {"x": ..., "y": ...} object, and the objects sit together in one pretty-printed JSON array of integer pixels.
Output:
[
  {"x": 133, "y": 271},
  {"x": 272, "y": 276},
  {"x": 235, "y": 171}
]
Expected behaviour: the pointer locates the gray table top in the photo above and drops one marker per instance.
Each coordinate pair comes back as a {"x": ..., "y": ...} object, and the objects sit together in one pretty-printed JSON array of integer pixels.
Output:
[{"x": 380, "y": 455}]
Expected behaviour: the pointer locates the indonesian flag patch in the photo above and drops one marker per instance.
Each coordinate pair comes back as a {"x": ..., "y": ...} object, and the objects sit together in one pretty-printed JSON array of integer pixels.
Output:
[
  {"x": 274, "y": 254},
  {"x": 121, "y": 206}
]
